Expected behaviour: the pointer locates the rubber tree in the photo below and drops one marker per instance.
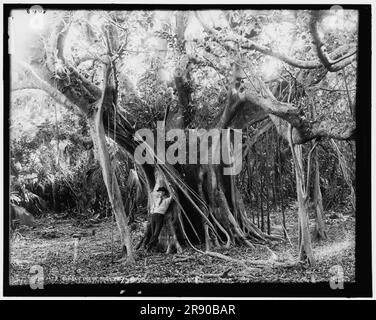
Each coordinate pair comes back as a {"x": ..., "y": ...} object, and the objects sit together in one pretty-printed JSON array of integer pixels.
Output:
[{"x": 208, "y": 206}]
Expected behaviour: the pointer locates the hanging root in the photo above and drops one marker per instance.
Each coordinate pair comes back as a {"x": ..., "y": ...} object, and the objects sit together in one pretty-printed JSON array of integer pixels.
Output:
[
  {"x": 238, "y": 232},
  {"x": 223, "y": 224},
  {"x": 237, "y": 261}
]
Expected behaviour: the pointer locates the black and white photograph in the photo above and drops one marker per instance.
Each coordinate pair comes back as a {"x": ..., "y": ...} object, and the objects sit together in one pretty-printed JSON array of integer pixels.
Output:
[{"x": 190, "y": 147}]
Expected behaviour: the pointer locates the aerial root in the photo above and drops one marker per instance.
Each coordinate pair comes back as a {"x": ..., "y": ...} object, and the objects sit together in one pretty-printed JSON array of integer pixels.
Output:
[{"x": 237, "y": 261}]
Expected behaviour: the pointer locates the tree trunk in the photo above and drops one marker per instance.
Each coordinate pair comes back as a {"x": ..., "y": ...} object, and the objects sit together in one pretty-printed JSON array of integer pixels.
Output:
[
  {"x": 305, "y": 246},
  {"x": 304, "y": 243},
  {"x": 112, "y": 185},
  {"x": 320, "y": 228},
  {"x": 211, "y": 207},
  {"x": 280, "y": 187},
  {"x": 110, "y": 180}
]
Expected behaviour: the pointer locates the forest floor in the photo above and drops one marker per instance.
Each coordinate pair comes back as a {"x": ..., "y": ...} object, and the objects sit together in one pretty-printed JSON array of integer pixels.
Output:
[{"x": 54, "y": 245}]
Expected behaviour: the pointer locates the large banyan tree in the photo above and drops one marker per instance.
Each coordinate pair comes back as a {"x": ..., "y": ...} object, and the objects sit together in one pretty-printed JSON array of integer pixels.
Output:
[{"x": 82, "y": 58}]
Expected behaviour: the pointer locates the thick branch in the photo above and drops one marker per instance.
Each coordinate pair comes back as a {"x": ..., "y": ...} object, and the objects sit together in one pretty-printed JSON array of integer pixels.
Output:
[
  {"x": 182, "y": 75},
  {"x": 251, "y": 45},
  {"x": 63, "y": 71},
  {"x": 30, "y": 80},
  {"x": 331, "y": 65},
  {"x": 256, "y": 96},
  {"x": 304, "y": 130}
]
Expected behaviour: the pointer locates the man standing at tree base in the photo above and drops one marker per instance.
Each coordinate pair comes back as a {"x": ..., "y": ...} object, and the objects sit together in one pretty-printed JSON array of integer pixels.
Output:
[{"x": 160, "y": 204}]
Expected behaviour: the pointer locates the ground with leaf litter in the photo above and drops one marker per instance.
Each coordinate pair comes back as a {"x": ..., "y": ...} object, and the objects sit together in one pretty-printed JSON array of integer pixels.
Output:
[{"x": 72, "y": 250}]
